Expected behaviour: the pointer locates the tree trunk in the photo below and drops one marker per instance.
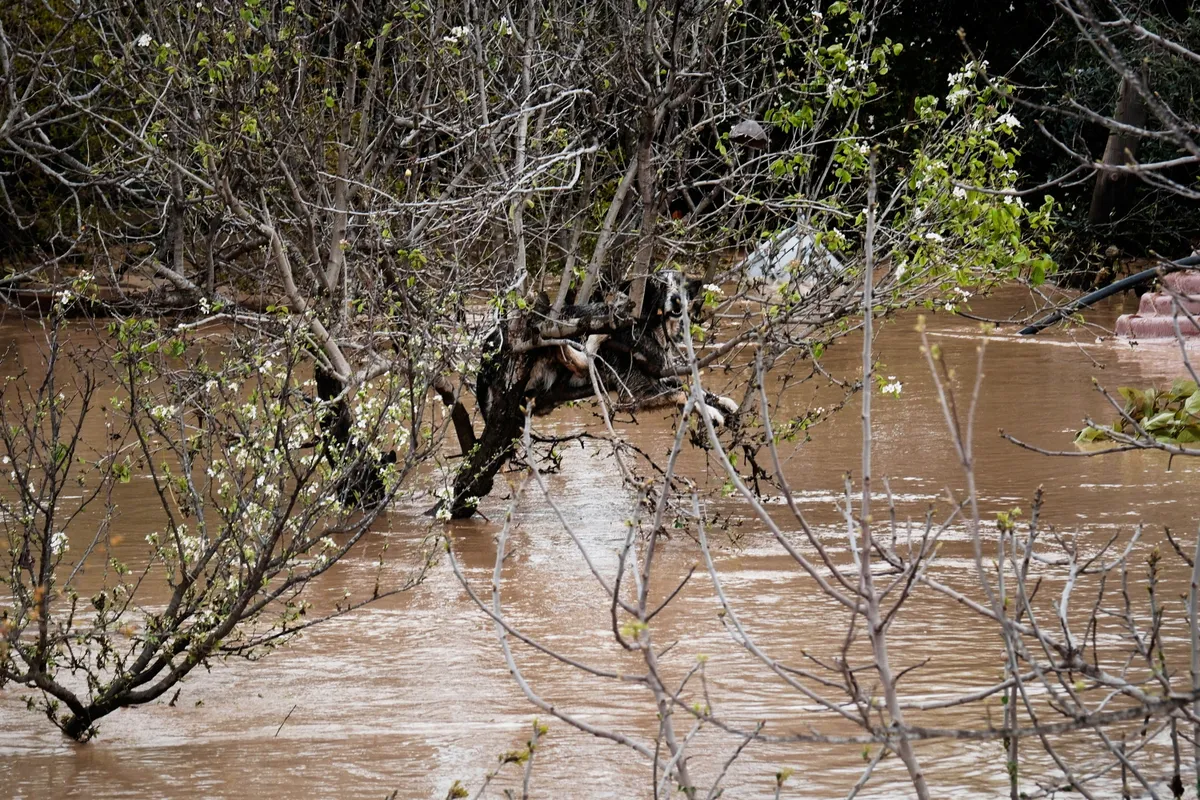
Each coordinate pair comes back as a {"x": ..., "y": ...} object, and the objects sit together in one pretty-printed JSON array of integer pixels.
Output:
[
  {"x": 647, "y": 185},
  {"x": 361, "y": 480},
  {"x": 1110, "y": 198},
  {"x": 503, "y": 417}
]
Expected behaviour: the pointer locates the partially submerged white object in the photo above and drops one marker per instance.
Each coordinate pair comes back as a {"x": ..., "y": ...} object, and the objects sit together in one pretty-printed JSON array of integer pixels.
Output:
[{"x": 791, "y": 255}]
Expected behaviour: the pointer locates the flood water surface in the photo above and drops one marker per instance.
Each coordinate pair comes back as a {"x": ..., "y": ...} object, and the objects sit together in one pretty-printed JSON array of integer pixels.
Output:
[{"x": 413, "y": 693}]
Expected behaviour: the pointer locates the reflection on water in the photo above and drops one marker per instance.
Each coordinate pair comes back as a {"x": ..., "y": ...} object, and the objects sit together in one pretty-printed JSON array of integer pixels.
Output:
[{"x": 412, "y": 693}]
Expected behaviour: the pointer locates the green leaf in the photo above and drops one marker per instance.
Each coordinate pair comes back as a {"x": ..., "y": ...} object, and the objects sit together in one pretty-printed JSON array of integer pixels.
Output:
[
  {"x": 1037, "y": 275},
  {"x": 1159, "y": 421},
  {"x": 1192, "y": 405},
  {"x": 1134, "y": 398},
  {"x": 1188, "y": 436},
  {"x": 1182, "y": 388}
]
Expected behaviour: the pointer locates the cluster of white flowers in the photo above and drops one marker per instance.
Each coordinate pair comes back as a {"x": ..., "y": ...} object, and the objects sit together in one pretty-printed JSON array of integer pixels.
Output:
[
  {"x": 834, "y": 239},
  {"x": 893, "y": 387},
  {"x": 712, "y": 288},
  {"x": 204, "y": 306},
  {"x": 241, "y": 456},
  {"x": 1010, "y": 200},
  {"x": 956, "y": 80},
  {"x": 969, "y": 71},
  {"x": 458, "y": 34},
  {"x": 207, "y": 618},
  {"x": 957, "y": 97},
  {"x": 298, "y": 434},
  {"x": 163, "y": 413},
  {"x": 932, "y": 171},
  {"x": 505, "y": 27},
  {"x": 143, "y": 40},
  {"x": 935, "y": 237},
  {"x": 193, "y": 546},
  {"x": 64, "y": 297},
  {"x": 59, "y": 543},
  {"x": 1008, "y": 120}
]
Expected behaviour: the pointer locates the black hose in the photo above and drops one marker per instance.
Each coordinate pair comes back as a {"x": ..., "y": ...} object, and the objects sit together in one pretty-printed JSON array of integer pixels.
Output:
[{"x": 1118, "y": 286}]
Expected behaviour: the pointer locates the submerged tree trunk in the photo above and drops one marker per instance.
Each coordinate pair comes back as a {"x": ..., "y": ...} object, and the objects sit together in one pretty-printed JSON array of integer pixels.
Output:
[
  {"x": 533, "y": 363},
  {"x": 523, "y": 367},
  {"x": 502, "y": 423},
  {"x": 362, "y": 483}
]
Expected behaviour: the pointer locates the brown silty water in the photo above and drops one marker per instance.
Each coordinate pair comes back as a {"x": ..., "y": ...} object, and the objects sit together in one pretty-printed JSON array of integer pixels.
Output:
[{"x": 413, "y": 693}]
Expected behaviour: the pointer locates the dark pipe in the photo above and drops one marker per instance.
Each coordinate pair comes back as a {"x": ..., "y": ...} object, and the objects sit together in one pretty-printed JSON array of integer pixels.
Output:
[{"x": 1111, "y": 289}]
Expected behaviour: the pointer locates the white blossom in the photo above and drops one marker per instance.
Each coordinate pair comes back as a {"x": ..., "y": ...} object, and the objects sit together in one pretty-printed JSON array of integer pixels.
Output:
[
  {"x": 458, "y": 33},
  {"x": 161, "y": 413},
  {"x": 59, "y": 543},
  {"x": 956, "y": 98},
  {"x": 143, "y": 40},
  {"x": 1009, "y": 120},
  {"x": 893, "y": 387}
]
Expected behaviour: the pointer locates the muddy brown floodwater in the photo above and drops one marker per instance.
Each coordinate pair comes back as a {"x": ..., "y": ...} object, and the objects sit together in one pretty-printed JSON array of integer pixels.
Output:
[{"x": 412, "y": 694}]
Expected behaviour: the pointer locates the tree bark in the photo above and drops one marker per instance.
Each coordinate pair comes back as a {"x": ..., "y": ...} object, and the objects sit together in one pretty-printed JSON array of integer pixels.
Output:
[
  {"x": 1111, "y": 194},
  {"x": 502, "y": 420},
  {"x": 648, "y": 187},
  {"x": 459, "y": 415}
]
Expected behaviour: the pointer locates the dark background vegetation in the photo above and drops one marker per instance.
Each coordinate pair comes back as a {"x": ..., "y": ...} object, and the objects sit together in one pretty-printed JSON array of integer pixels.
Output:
[
  {"x": 1029, "y": 41},
  {"x": 1045, "y": 54}
]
